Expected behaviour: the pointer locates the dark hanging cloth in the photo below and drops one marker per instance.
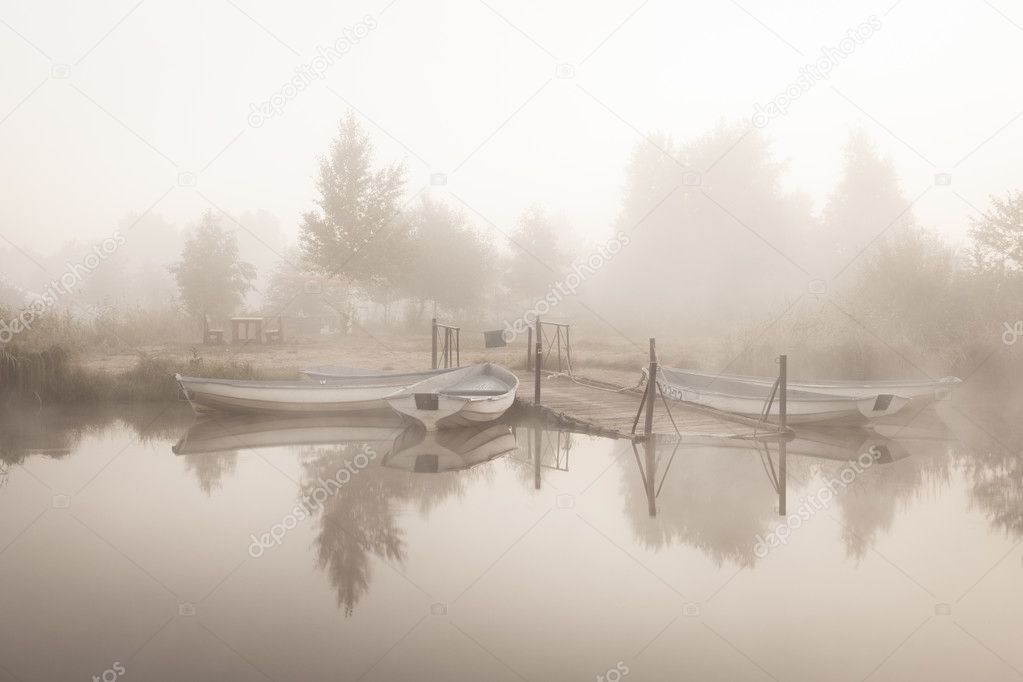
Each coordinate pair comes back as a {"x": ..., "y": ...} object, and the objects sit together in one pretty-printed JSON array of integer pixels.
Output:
[{"x": 494, "y": 339}]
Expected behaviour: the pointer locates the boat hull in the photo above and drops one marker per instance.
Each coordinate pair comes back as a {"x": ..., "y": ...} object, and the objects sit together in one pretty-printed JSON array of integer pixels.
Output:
[
  {"x": 913, "y": 390},
  {"x": 745, "y": 399},
  {"x": 213, "y": 395},
  {"x": 472, "y": 395}
]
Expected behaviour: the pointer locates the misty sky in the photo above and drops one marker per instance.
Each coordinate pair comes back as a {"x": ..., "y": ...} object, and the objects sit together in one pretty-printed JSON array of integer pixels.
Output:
[{"x": 107, "y": 107}]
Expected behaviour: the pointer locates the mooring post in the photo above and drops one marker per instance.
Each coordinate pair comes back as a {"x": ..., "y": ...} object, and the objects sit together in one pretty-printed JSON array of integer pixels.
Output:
[
  {"x": 568, "y": 348},
  {"x": 433, "y": 343},
  {"x": 783, "y": 389},
  {"x": 529, "y": 349},
  {"x": 651, "y": 390},
  {"x": 537, "y": 364}
]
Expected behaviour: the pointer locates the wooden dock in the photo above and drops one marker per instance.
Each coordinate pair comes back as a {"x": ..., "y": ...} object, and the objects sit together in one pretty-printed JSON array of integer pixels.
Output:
[{"x": 606, "y": 409}]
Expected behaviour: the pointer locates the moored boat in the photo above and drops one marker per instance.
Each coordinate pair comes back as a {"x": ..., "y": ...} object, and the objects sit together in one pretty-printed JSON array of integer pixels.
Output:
[
  {"x": 231, "y": 395},
  {"x": 739, "y": 396},
  {"x": 927, "y": 389},
  {"x": 468, "y": 395}
]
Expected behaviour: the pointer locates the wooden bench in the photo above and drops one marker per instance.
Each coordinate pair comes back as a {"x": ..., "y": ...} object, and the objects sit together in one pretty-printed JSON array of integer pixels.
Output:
[{"x": 211, "y": 336}]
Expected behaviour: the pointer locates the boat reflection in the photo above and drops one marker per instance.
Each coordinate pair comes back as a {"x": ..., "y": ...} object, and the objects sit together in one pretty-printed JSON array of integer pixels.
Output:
[
  {"x": 400, "y": 444},
  {"x": 421, "y": 451}
]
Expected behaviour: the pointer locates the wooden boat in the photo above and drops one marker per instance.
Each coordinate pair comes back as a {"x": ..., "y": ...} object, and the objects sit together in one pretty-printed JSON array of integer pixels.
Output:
[
  {"x": 230, "y": 395},
  {"x": 247, "y": 431},
  {"x": 912, "y": 389},
  {"x": 463, "y": 397},
  {"x": 748, "y": 399},
  {"x": 450, "y": 450}
]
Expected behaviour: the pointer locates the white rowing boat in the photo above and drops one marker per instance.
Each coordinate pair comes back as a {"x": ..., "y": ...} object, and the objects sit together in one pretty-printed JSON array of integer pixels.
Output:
[
  {"x": 454, "y": 397},
  {"x": 913, "y": 389},
  {"x": 468, "y": 395},
  {"x": 231, "y": 395},
  {"x": 736, "y": 395}
]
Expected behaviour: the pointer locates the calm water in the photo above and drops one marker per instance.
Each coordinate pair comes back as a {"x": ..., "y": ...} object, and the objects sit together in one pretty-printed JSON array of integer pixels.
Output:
[{"x": 563, "y": 557}]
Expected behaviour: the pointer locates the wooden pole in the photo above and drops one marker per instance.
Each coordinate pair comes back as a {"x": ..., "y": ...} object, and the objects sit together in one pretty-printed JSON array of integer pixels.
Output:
[
  {"x": 783, "y": 388},
  {"x": 568, "y": 347},
  {"x": 458, "y": 347},
  {"x": 651, "y": 390},
  {"x": 529, "y": 349},
  {"x": 537, "y": 364},
  {"x": 433, "y": 343},
  {"x": 559, "y": 349}
]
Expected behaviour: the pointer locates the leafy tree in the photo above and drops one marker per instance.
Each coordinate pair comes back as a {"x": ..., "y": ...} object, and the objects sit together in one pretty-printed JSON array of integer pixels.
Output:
[
  {"x": 211, "y": 278},
  {"x": 293, "y": 290},
  {"x": 867, "y": 202},
  {"x": 451, "y": 260},
  {"x": 537, "y": 258},
  {"x": 357, "y": 231},
  {"x": 714, "y": 237},
  {"x": 999, "y": 234}
]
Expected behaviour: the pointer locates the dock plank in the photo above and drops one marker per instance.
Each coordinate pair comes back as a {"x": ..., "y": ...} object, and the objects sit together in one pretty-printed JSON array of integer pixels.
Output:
[{"x": 610, "y": 410}]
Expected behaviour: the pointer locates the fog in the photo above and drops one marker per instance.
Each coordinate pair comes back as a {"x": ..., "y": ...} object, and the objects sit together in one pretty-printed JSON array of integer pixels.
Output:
[{"x": 105, "y": 106}]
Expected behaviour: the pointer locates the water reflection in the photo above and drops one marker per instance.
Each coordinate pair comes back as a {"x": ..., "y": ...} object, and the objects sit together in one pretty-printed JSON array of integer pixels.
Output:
[{"x": 711, "y": 495}]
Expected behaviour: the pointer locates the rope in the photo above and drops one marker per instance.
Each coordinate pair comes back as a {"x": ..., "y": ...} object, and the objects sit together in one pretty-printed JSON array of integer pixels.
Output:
[{"x": 767, "y": 405}]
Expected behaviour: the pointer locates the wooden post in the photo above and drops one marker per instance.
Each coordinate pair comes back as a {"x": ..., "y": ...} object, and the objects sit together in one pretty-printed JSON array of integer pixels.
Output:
[
  {"x": 568, "y": 348},
  {"x": 651, "y": 390},
  {"x": 433, "y": 343},
  {"x": 529, "y": 349},
  {"x": 783, "y": 389},
  {"x": 537, "y": 364},
  {"x": 458, "y": 347},
  {"x": 559, "y": 349}
]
